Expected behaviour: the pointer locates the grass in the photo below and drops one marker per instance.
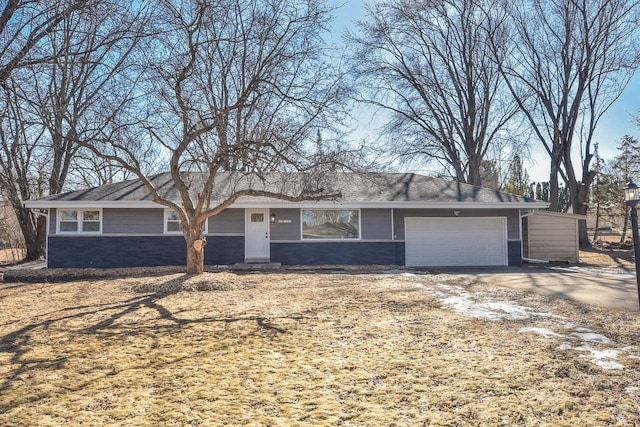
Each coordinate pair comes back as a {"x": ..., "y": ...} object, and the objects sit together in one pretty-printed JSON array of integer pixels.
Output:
[{"x": 309, "y": 349}]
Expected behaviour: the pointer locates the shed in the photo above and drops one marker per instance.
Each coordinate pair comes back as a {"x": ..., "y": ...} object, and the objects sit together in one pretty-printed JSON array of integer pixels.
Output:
[{"x": 550, "y": 236}]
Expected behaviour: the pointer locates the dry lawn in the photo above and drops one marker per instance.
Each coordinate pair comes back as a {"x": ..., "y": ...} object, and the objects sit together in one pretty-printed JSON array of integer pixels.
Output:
[
  {"x": 311, "y": 349},
  {"x": 621, "y": 259}
]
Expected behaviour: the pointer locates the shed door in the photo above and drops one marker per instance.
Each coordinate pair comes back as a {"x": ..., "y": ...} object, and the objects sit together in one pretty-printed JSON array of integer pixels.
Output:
[{"x": 455, "y": 241}]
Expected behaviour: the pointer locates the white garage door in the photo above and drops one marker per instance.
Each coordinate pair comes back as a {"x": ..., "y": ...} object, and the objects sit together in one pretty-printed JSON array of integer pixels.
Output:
[{"x": 455, "y": 241}]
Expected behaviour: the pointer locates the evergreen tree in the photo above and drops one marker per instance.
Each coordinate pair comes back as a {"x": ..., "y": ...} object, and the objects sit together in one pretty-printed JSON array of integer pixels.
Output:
[
  {"x": 625, "y": 168},
  {"x": 517, "y": 178},
  {"x": 627, "y": 163}
]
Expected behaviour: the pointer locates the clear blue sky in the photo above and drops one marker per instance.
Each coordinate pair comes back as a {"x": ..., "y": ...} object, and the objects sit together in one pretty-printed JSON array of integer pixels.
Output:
[{"x": 616, "y": 123}]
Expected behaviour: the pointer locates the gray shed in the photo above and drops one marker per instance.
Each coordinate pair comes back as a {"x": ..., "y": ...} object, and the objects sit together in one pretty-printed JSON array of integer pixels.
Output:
[{"x": 550, "y": 236}]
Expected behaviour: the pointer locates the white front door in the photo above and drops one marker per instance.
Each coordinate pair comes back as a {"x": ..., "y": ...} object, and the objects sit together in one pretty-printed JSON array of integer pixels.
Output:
[{"x": 256, "y": 237}]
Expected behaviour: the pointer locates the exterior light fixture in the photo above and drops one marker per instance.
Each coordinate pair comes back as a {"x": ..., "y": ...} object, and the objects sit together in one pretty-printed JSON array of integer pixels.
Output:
[
  {"x": 273, "y": 218},
  {"x": 631, "y": 198}
]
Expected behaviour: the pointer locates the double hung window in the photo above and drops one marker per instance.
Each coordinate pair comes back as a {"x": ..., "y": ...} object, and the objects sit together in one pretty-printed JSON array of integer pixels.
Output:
[{"x": 80, "y": 221}]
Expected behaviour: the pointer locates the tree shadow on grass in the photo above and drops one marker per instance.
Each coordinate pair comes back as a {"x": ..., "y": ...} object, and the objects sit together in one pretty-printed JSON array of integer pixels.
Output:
[{"x": 20, "y": 343}]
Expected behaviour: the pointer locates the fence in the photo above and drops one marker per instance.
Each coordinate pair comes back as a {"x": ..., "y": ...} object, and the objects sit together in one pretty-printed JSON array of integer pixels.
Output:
[{"x": 12, "y": 252}]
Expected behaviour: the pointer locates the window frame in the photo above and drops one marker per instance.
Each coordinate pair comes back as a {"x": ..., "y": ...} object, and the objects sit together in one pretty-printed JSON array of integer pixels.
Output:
[
  {"x": 179, "y": 232},
  {"x": 331, "y": 239},
  {"x": 79, "y": 221}
]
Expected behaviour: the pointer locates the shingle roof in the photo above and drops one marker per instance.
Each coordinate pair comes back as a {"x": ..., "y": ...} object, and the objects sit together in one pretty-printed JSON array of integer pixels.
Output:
[{"x": 354, "y": 187}]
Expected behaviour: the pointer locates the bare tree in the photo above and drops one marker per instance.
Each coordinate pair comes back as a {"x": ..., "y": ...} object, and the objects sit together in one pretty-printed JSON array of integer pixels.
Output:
[
  {"x": 52, "y": 91},
  {"x": 23, "y": 27},
  {"x": 88, "y": 73},
  {"x": 239, "y": 86},
  {"x": 429, "y": 65},
  {"x": 569, "y": 60}
]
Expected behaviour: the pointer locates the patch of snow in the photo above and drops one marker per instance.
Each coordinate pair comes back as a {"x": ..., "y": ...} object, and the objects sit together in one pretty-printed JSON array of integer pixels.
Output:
[
  {"x": 591, "y": 337},
  {"x": 632, "y": 389},
  {"x": 399, "y": 272},
  {"x": 540, "y": 331},
  {"x": 594, "y": 271},
  {"x": 478, "y": 306},
  {"x": 565, "y": 346},
  {"x": 606, "y": 359},
  {"x": 481, "y": 306},
  {"x": 607, "y": 364}
]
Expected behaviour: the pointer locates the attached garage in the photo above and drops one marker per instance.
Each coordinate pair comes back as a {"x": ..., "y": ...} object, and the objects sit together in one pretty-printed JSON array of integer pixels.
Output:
[{"x": 456, "y": 241}]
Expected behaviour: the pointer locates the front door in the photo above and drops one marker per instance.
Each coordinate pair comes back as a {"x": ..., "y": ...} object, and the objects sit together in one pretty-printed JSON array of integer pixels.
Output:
[{"x": 256, "y": 237}]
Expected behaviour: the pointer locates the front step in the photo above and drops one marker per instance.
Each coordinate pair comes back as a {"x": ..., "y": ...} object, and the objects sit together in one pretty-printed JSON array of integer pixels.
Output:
[
  {"x": 253, "y": 265},
  {"x": 257, "y": 261}
]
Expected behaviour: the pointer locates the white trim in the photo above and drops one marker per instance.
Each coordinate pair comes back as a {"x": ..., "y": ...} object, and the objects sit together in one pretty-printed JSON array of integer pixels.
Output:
[
  {"x": 247, "y": 235},
  {"x": 273, "y": 203},
  {"x": 79, "y": 220},
  {"x": 557, "y": 214},
  {"x": 117, "y": 235},
  {"x": 179, "y": 232},
  {"x": 393, "y": 229},
  {"x": 165, "y": 228},
  {"x": 313, "y": 241},
  {"x": 503, "y": 219},
  {"x": 520, "y": 216},
  {"x": 359, "y": 238}
]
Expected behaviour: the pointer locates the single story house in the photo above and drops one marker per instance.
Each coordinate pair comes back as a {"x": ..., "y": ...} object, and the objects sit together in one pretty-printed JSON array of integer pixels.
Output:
[{"x": 379, "y": 218}]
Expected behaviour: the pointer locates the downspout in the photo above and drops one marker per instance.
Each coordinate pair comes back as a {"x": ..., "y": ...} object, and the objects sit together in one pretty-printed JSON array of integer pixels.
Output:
[
  {"x": 522, "y": 216},
  {"x": 538, "y": 261},
  {"x": 533, "y": 260}
]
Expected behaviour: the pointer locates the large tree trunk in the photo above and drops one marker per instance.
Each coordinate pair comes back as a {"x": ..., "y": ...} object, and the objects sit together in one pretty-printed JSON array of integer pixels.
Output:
[
  {"x": 554, "y": 183},
  {"x": 580, "y": 206},
  {"x": 625, "y": 225},
  {"x": 475, "y": 164},
  {"x": 27, "y": 222},
  {"x": 195, "y": 250}
]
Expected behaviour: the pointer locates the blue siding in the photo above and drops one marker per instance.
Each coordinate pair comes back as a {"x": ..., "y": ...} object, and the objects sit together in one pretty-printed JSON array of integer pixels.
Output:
[
  {"x": 347, "y": 253},
  {"x": 224, "y": 250},
  {"x": 514, "y": 249},
  {"x": 149, "y": 251},
  {"x": 137, "y": 251}
]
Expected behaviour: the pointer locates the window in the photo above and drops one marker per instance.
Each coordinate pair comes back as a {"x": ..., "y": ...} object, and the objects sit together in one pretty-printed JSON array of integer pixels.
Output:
[
  {"x": 330, "y": 224},
  {"x": 173, "y": 224},
  {"x": 80, "y": 221},
  {"x": 91, "y": 221}
]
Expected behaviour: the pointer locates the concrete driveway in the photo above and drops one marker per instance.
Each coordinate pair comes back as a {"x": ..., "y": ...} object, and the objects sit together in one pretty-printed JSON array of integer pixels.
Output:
[{"x": 589, "y": 286}]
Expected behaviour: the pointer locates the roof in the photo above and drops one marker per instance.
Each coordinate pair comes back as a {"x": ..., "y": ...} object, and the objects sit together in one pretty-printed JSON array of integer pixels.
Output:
[
  {"x": 564, "y": 215},
  {"x": 366, "y": 189}
]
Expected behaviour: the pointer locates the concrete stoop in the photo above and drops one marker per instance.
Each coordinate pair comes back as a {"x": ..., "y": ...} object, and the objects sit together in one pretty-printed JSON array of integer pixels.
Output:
[{"x": 259, "y": 266}]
